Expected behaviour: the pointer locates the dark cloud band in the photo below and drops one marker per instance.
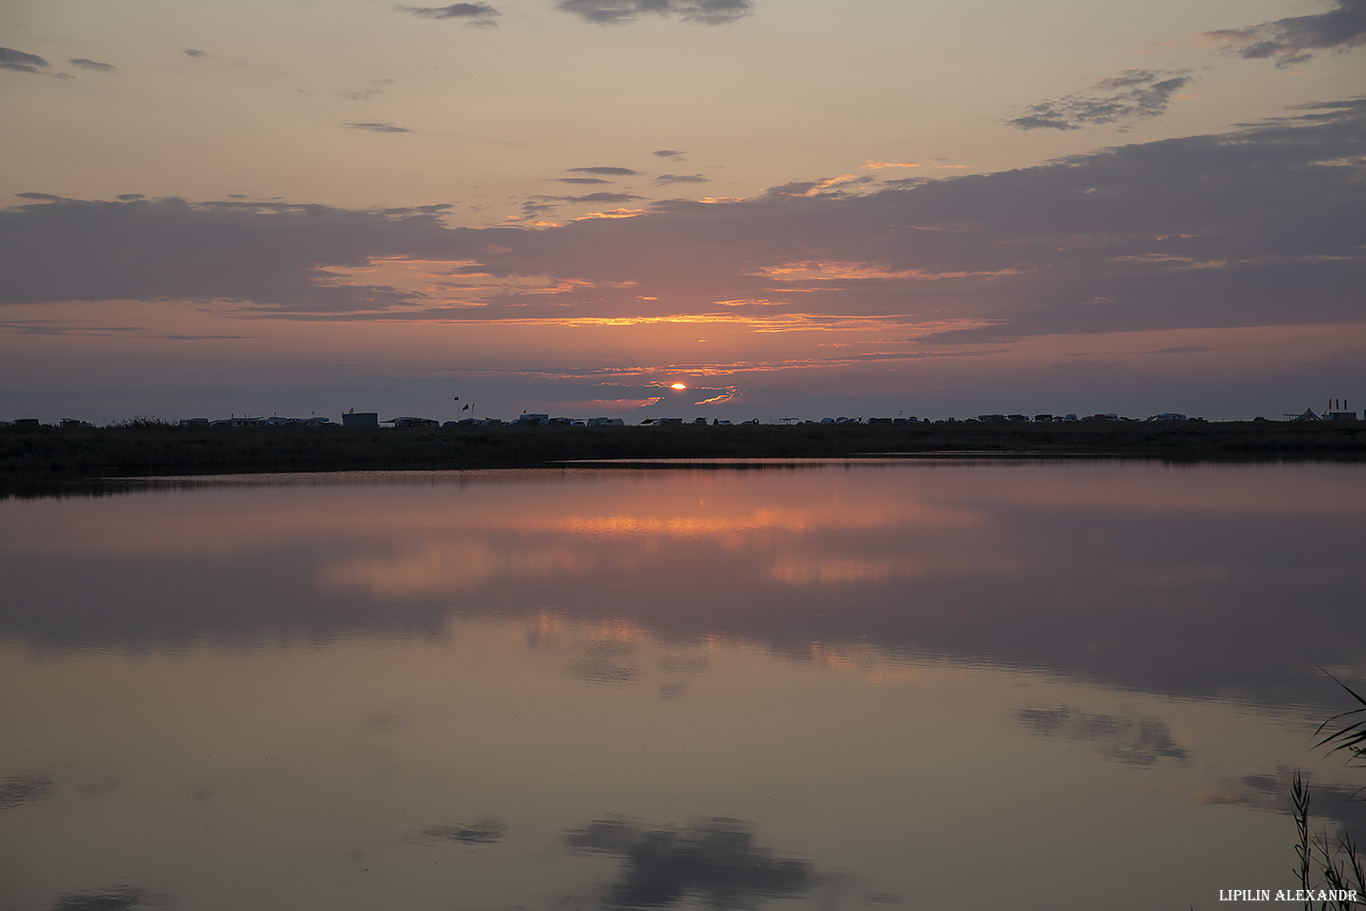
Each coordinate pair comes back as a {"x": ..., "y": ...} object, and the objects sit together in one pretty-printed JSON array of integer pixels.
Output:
[
  {"x": 476, "y": 14},
  {"x": 615, "y": 12},
  {"x": 95, "y": 65},
  {"x": 10, "y": 59},
  {"x": 378, "y": 127},
  {"x": 605, "y": 171},
  {"x": 1296, "y": 39},
  {"x": 1182, "y": 233}
]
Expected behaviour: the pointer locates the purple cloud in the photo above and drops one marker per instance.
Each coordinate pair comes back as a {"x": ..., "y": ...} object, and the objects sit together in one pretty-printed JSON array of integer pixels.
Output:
[
  {"x": 1296, "y": 39},
  {"x": 1132, "y": 95},
  {"x": 616, "y": 12}
]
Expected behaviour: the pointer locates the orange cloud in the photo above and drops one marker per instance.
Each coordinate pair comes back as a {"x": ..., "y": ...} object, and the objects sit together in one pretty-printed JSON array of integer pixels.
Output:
[
  {"x": 816, "y": 270},
  {"x": 827, "y": 184},
  {"x": 612, "y": 213},
  {"x": 730, "y": 393}
]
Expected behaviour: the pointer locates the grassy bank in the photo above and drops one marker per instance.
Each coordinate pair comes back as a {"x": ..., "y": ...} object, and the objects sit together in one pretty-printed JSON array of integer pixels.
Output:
[{"x": 158, "y": 448}]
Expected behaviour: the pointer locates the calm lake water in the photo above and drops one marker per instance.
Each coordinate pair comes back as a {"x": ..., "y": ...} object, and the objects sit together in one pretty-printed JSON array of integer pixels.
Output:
[{"x": 1027, "y": 685}]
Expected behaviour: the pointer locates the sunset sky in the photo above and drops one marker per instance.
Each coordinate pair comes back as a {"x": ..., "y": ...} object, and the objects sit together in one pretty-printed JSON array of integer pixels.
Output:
[{"x": 791, "y": 207}]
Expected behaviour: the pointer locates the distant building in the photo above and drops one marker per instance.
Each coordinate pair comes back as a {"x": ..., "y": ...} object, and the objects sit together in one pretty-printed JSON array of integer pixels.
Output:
[{"x": 361, "y": 419}]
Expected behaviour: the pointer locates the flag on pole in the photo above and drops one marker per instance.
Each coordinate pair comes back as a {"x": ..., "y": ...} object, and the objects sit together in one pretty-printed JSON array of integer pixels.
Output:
[{"x": 466, "y": 408}]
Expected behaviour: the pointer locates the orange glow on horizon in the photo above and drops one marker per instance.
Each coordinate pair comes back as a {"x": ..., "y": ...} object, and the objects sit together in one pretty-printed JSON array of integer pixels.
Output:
[{"x": 678, "y": 386}]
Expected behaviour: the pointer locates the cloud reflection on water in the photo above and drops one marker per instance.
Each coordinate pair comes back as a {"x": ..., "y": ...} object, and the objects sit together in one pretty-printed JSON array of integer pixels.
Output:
[
  {"x": 486, "y": 830},
  {"x": 717, "y": 861},
  {"x": 1172, "y": 579},
  {"x": 1136, "y": 741},
  {"x": 1343, "y": 806},
  {"x": 112, "y": 898},
  {"x": 24, "y": 789}
]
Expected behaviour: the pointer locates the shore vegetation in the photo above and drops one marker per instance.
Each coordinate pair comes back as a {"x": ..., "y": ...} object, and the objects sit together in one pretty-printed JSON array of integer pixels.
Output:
[{"x": 148, "y": 445}]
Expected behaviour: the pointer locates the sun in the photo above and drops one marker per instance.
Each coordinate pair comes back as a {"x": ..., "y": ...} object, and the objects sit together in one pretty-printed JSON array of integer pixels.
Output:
[{"x": 678, "y": 386}]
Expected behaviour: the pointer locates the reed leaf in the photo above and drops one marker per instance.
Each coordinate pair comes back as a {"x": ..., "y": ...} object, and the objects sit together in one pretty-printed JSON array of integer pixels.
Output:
[{"x": 1350, "y": 737}]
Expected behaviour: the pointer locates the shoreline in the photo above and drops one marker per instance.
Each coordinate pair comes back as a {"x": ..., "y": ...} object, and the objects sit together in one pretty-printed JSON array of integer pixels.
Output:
[{"x": 149, "y": 449}]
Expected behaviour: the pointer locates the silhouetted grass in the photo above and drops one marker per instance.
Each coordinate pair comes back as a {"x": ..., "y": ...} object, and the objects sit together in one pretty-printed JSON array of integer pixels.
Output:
[
  {"x": 1349, "y": 737},
  {"x": 1324, "y": 863},
  {"x": 1336, "y": 860}
]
